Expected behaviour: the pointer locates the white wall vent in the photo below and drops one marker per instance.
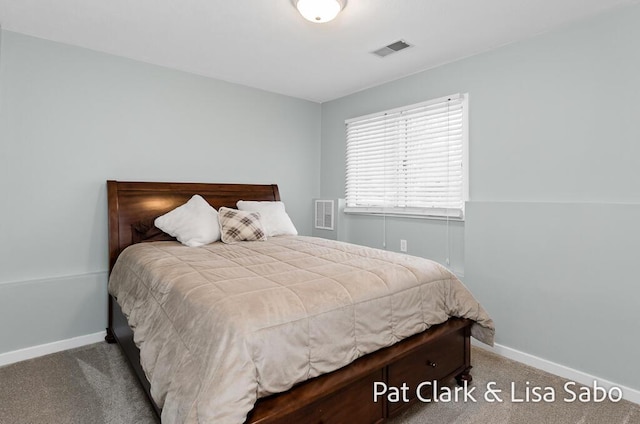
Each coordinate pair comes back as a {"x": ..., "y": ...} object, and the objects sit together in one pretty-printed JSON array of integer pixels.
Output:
[
  {"x": 392, "y": 48},
  {"x": 324, "y": 214}
]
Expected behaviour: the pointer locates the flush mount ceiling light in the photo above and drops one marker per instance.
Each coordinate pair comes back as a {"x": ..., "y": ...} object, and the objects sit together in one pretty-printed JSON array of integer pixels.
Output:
[{"x": 319, "y": 11}]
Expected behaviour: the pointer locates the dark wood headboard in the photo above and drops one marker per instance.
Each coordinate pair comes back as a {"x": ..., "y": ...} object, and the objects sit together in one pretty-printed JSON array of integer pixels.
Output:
[{"x": 134, "y": 205}]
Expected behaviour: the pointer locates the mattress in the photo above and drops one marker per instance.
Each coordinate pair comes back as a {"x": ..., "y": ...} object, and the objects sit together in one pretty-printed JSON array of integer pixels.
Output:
[{"x": 221, "y": 325}]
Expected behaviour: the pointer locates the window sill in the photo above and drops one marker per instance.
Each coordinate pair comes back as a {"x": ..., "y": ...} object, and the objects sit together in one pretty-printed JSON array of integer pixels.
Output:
[{"x": 405, "y": 215}]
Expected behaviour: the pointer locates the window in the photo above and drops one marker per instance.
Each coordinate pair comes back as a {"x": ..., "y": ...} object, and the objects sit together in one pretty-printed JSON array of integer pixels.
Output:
[{"x": 410, "y": 160}]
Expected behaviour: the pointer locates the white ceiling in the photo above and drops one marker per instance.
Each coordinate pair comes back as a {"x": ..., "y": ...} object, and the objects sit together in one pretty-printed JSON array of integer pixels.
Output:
[{"x": 266, "y": 44}]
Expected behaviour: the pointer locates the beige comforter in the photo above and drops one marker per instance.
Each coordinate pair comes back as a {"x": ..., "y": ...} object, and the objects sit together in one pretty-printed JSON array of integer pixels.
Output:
[{"x": 221, "y": 325}]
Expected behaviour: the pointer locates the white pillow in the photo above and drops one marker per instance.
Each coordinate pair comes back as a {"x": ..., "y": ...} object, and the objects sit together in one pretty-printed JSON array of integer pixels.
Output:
[
  {"x": 194, "y": 224},
  {"x": 274, "y": 218}
]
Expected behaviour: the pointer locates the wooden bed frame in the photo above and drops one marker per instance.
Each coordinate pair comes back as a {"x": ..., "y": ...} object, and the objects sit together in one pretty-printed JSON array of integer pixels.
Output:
[{"x": 346, "y": 395}]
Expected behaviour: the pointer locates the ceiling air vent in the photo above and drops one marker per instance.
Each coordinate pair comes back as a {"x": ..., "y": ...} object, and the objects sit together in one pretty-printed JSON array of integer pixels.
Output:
[{"x": 392, "y": 48}]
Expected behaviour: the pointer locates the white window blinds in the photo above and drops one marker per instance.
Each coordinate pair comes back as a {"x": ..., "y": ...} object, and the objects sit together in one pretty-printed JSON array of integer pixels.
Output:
[{"x": 409, "y": 161}]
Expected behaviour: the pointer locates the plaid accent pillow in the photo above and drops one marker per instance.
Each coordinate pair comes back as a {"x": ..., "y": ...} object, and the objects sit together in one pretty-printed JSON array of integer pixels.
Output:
[{"x": 238, "y": 225}]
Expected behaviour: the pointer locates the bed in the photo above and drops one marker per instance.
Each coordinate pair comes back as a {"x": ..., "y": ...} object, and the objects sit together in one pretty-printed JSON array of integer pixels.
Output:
[{"x": 441, "y": 352}]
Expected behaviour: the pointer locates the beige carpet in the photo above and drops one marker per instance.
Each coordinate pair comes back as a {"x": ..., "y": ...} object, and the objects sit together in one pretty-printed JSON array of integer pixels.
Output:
[
  {"x": 94, "y": 385},
  {"x": 88, "y": 385}
]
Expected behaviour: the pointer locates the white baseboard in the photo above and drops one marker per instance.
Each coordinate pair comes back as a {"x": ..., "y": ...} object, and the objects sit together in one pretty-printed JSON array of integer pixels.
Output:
[
  {"x": 53, "y": 347},
  {"x": 571, "y": 374}
]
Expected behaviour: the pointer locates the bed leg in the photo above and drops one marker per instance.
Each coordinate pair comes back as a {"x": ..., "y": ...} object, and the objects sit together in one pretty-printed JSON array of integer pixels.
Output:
[
  {"x": 464, "y": 376},
  {"x": 109, "y": 338}
]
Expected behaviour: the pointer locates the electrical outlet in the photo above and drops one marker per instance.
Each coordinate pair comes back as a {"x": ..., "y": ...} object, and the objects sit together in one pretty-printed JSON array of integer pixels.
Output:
[{"x": 403, "y": 245}]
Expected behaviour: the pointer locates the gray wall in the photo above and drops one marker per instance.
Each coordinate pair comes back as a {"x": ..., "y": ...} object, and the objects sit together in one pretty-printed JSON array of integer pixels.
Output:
[
  {"x": 552, "y": 225},
  {"x": 70, "y": 119}
]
